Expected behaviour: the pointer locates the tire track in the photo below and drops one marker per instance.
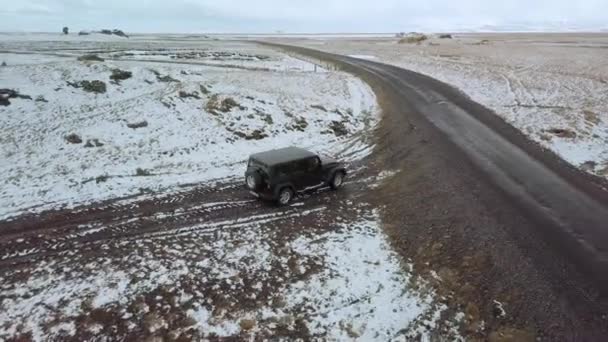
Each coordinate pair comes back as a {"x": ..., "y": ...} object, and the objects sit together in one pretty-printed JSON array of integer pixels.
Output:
[{"x": 34, "y": 237}]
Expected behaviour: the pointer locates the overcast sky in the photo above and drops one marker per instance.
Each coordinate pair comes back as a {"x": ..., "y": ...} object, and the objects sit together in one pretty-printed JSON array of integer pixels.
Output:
[{"x": 309, "y": 16}]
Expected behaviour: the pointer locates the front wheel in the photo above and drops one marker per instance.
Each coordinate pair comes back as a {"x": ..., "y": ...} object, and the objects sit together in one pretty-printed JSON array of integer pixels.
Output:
[
  {"x": 285, "y": 196},
  {"x": 337, "y": 181}
]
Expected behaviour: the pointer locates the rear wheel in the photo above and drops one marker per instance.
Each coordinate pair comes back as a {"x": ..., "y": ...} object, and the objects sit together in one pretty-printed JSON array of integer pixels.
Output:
[
  {"x": 285, "y": 196},
  {"x": 337, "y": 181}
]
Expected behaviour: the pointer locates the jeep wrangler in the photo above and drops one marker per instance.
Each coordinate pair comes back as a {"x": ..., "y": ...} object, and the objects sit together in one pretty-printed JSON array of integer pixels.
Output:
[{"x": 279, "y": 175}]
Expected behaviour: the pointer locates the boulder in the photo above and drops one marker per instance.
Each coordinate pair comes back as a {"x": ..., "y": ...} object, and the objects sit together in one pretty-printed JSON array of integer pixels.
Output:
[
  {"x": 413, "y": 38},
  {"x": 95, "y": 86},
  {"x": 120, "y": 75},
  {"x": 119, "y": 33},
  {"x": 73, "y": 138},
  {"x": 90, "y": 58}
]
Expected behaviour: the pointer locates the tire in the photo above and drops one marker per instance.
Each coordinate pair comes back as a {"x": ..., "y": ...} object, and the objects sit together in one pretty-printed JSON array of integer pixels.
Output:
[
  {"x": 253, "y": 181},
  {"x": 285, "y": 196},
  {"x": 337, "y": 180}
]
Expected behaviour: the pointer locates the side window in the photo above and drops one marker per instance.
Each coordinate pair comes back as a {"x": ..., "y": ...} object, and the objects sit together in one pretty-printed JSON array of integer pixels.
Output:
[
  {"x": 286, "y": 169},
  {"x": 312, "y": 164}
]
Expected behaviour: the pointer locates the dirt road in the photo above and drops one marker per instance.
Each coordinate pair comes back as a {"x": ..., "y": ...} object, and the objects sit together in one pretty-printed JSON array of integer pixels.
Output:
[{"x": 478, "y": 189}]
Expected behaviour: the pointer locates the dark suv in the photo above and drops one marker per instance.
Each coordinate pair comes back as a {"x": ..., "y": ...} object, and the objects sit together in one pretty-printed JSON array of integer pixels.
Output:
[{"x": 279, "y": 174}]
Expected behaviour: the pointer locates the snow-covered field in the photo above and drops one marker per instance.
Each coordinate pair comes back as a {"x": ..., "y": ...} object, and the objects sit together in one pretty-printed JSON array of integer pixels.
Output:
[
  {"x": 182, "y": 259},
  {"x": 191, "y": 112},
  {"x": 246, "y": 278},
  {"x": 553, "y": 87}
]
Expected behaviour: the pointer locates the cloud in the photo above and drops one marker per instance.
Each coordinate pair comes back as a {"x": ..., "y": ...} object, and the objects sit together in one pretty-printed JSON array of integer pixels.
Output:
[{"x": 301, "y": 16}]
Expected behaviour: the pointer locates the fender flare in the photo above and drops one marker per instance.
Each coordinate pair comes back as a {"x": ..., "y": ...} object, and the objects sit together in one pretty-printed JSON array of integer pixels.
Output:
[{"x": 331, "y": 172}]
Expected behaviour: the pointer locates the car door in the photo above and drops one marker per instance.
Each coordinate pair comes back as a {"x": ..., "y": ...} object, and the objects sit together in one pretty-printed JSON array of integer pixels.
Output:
[
  {"x": 293, "y": 173},
  {"x": 312, "y": 172}
]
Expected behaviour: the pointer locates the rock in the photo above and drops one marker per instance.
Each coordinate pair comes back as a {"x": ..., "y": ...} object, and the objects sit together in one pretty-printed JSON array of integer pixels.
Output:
[
  {"x": 83, "y": 33},
  {"x": 167, "y": 79},
  {"x": 592, "y": 117},
  {"x": 93, "y": 143},
  {"x": 90, "y": 58},
  {"x": 228, "y": 104},
  {"x": 351, "y": 331},
  {"x": 120, "y": 75},
  {"x": 184, "y": 94},
  {"x": 300, "y": 124},
  {"x": 139, "y": 124},
  {"x": 268, "y": 119},
  {"x": 119, "y": 33},
  {"x": 589, "y": 166},
  {"x": 95, "y": 86},
  {"x": 114, "y": 32},
  {"x": 498, "y": 310},
  {"x": 6, "y": 94},
  {"x": 445, "y": 36},
  {"x": 338, "y": 128},
  {"x": 562, "y": 133},
  {"x": 41, "y": 99},
  {"x": 3, "y": 64},
  {"x": 73, "y": 138},
  {"x": 256, "y": 135},
  {"x": 472, "y": 312},
  {"x": 66, "y": 30},
  {"x": 4, "y": 100},
  {"x": 101, "y": 179},
  {"x": 160, "y": 78},
  {"x": 153, "y": 322},
  {"x": 279, "y": 302},
  {"x": 319, "y": 107},
  {"x": 247, "y": 324},
  {"x": 413, "y": 38},
  {"x": 142, "y": 172},
  {"x": 204, "y": 90}
]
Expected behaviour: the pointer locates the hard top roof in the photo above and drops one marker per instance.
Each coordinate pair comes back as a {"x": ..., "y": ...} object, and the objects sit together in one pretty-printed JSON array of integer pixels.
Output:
[{"x": 283, "y": 155}]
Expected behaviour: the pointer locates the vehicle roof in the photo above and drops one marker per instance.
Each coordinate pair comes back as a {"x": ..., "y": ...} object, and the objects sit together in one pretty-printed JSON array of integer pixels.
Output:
[{"x": 283, "y": 155}]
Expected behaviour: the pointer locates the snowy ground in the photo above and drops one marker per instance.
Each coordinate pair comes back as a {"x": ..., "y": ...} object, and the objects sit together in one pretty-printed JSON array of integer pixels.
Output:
[
  {"x": 205, "y": 107},
  {"x": 190, "y": 255},
  {"x": 553, "y": 87},
  {"x": 339, "y": 282},
  {"x": 319, "y": 269}
]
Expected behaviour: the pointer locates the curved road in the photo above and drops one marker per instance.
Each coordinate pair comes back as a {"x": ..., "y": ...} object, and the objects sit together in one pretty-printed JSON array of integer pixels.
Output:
[
  {"x": 565, "y": 203},
  {"x": 564, "y": 211}
]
